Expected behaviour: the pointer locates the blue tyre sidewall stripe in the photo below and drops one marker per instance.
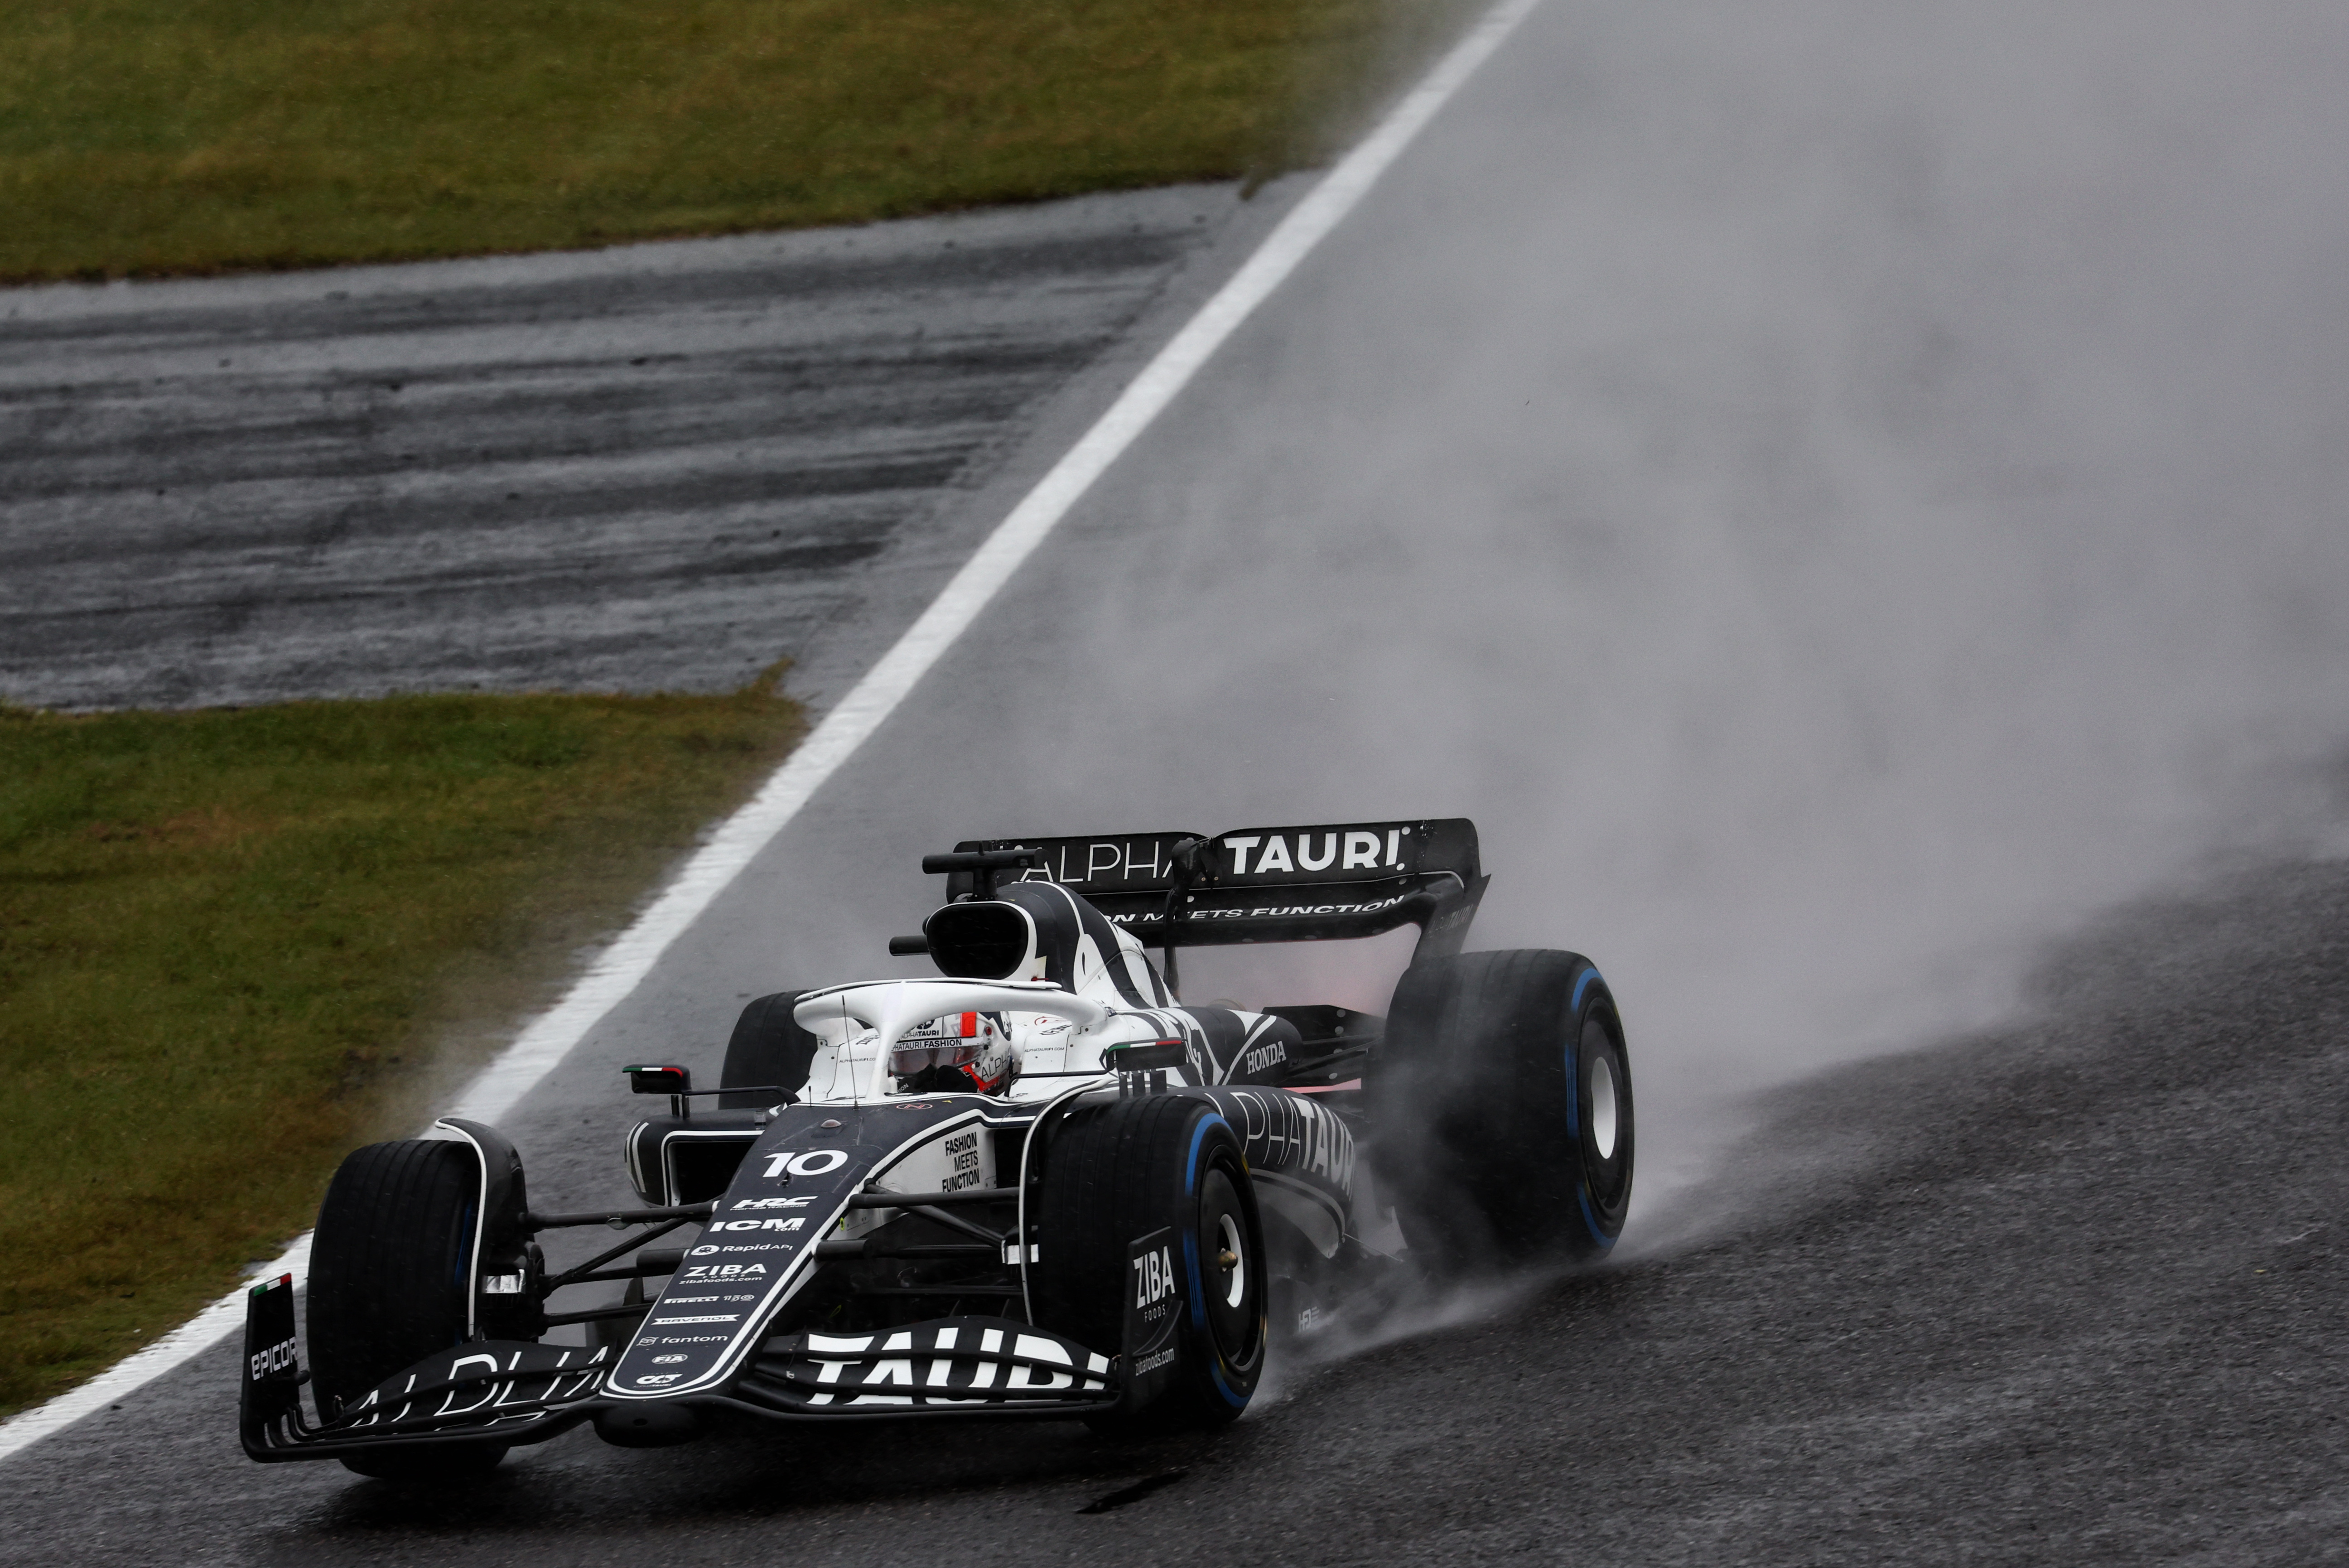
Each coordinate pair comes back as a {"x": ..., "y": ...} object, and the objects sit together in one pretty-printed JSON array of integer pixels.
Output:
[
  {"x": 1574, "y": 1107},
  {"x": 1191, "y": 1256},
  {"x": 1191, "y": 1218},
  {"x": 1591, "y": 1221},
  {"x": 1579, "y": 987}
]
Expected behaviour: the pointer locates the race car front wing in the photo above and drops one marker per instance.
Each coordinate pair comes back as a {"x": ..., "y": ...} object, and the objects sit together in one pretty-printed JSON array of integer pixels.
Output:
[
  {"x": 956, "y": 1364},
  {"x": 484, "y": 1391},
  {"x": 509, "y": 1393}
]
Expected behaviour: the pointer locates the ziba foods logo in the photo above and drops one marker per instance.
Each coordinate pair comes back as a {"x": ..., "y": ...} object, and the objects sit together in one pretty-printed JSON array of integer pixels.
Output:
[{"x": 1154, "y": 1279}]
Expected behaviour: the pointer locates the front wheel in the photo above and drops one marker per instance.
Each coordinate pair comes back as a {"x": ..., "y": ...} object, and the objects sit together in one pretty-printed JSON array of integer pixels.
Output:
[
  {"x": 390, "y": 1283},
  {"x": 1149, "y": 1242}
]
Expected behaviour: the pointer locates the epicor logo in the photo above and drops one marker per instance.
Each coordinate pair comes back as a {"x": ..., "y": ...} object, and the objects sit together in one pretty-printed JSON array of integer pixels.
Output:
[{"x": 276, "y": 1358}]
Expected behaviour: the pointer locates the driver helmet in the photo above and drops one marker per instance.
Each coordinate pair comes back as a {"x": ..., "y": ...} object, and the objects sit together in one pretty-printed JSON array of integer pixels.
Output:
[{"x": 962, "y": 1053}]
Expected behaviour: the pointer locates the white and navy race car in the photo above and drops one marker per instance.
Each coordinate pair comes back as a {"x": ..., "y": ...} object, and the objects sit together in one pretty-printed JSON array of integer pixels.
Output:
[{"x": 1039, "y": 1185}]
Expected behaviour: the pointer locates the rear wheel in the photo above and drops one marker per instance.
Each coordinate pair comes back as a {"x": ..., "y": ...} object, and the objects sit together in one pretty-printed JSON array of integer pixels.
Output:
[
  {"x": 391, "y": 1283},
  {"x": 768, "y": 1047},
  {"x": 1502, "y": 1100},
  {"x": 1119, "y": 1174}
]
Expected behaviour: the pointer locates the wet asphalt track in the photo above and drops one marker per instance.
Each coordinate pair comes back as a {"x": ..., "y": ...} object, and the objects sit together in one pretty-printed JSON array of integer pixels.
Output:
[
  {"x": 653, "y": 468},
  {"x": 2071, "y": 1292},
  {"x": 2061, "y": 1295},
  {"x": 2063, "y": 1289}
]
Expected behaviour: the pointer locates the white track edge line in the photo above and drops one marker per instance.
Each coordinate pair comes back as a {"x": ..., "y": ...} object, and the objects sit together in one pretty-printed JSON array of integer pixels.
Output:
[{"x": 621, "y": 967}]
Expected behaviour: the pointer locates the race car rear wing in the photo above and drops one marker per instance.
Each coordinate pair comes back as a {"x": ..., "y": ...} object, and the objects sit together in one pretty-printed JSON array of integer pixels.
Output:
[{"x": 1253, "y": 884}]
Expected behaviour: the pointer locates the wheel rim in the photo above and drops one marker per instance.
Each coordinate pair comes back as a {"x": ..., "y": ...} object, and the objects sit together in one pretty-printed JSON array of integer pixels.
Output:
[
  {"x": 1602, "y": 1107},
  {"x": 1606, "y": 1114},
  {"x": 1231, "y": 1244},
  {"x": 1232, "y": 1315}
]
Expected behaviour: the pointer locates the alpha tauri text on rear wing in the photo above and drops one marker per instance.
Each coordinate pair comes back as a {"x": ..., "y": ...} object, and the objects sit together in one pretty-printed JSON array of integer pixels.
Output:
[{"x": 1264, "y": 883}]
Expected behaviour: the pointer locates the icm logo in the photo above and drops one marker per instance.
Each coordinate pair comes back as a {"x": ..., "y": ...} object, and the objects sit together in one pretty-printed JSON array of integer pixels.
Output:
[
  {"x": 823, "y": 1162},
  {"x": 1154, "y": 1277},
  {"x": 792, "y": 1224}
]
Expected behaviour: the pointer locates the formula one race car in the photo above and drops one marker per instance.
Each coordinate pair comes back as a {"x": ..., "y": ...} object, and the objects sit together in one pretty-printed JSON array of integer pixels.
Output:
[{"x": 1037, "y": 1185}]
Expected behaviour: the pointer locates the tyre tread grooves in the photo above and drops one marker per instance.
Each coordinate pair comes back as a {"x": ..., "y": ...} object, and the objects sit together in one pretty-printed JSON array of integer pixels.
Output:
[
  {"x": 1471, "y": 1096},
  {"x": 382, "y": 1288}
]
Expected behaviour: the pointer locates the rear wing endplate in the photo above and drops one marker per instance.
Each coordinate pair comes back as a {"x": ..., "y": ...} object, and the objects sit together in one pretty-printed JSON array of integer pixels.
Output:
[{"x": 1266, "y": 884}]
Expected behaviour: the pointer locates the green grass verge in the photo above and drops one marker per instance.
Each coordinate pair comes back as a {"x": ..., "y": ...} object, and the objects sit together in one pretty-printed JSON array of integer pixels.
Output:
[
  {"x": 236, "y": 943},
  {"x": 151, "y": 136}
]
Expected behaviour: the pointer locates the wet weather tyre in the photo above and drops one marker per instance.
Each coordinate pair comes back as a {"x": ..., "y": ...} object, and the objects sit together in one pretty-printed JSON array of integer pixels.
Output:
[
  {"x": 768, "y": 1047},
  {"x": 1114, "y": 1174},
  {"x": 390, "y": 1268},
  {"x": 1502, "y": 1109}
]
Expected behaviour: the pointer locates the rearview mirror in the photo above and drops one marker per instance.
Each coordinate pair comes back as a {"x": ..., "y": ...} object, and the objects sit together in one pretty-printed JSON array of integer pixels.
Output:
[{"x": 659, "y": 1080}]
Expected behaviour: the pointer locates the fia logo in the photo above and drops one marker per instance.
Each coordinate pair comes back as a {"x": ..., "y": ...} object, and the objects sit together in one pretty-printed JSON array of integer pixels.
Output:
[{"x": 1154, "y": 1277}]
